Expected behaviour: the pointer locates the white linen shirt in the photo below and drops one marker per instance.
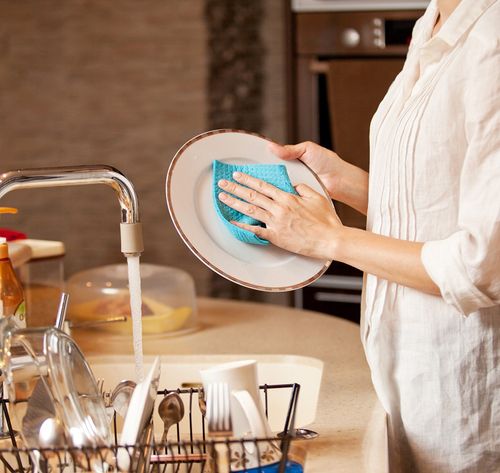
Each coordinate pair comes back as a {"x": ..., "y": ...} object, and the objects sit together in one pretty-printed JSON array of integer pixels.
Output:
[{"x": 435, "y": 178}]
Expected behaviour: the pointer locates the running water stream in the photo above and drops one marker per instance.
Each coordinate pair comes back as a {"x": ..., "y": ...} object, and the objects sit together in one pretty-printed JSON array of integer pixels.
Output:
[{"x": 134, "y": 282}]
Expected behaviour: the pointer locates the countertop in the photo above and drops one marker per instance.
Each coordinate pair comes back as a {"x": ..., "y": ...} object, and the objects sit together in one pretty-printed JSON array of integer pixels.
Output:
[{"x": 350, "y": 421}]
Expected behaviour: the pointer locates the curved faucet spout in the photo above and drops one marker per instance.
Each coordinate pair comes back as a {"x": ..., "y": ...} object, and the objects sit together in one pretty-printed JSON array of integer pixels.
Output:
[
  {"x": 75, "y": 176},
  {"x": 130, "y": 228}
]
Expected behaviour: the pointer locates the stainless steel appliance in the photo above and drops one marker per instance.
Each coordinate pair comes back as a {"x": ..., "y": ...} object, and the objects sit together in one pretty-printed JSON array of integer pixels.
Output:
[{"x": 341, "y": 63}]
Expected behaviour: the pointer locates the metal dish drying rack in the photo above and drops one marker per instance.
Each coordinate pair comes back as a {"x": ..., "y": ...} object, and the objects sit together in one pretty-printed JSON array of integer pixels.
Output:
[{"x": 191, "y": 452}]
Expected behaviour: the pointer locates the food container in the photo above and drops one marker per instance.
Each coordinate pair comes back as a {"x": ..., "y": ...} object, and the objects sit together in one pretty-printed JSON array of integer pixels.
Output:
[
  {"x": 99, "y": 294},
  {"x": 42, "y": 277}
]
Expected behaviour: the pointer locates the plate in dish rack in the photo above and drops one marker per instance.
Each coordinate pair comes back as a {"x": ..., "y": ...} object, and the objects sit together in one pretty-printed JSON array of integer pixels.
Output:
[
  {"x": 139, "y": 413},
  {"x": 190, "y": 203}
]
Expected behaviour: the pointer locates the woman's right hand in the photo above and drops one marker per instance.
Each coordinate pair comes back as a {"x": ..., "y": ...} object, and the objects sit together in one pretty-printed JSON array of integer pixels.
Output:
[{"x": 343, "y": 181}]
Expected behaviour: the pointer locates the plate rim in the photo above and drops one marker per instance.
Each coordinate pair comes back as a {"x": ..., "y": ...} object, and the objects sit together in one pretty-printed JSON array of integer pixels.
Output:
[{"x": 195, "y": 251}]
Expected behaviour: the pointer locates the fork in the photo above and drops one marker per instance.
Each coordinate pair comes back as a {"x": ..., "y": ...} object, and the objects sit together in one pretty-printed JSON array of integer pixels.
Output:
[
  {"x": 220, "y": 427},
  {"x": 106, "y": 395},
  {"x": 100, "y": 387}
]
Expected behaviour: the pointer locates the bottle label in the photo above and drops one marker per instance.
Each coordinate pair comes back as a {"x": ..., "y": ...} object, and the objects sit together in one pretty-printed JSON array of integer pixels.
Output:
[{"x": 20, "y": 315}]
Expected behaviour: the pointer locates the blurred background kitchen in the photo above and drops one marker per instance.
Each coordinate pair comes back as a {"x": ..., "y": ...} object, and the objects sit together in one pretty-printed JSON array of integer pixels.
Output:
[{"x": 127, "y": 82}]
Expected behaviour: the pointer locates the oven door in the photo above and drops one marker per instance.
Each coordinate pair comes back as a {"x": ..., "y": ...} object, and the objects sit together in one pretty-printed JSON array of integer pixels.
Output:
[
  {"x": 347, "y": 94},
  {"x": 342, "y": 64},
  {"x": 336, "y": 293},
  {"x": 352, "y": 88}
]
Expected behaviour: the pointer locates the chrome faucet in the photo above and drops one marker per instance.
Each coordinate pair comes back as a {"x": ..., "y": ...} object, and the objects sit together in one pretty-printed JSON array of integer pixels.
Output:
[{"x": 130, "y": 226}]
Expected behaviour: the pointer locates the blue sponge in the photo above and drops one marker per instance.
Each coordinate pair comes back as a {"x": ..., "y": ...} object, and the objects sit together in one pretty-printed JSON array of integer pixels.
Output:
[{"x": 274, "y": 174}]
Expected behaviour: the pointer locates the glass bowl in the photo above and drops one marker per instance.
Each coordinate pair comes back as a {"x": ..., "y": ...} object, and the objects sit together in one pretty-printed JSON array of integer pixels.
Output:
[
  {"x": 48, "y": 379},
  {"x": 100, "y": 294}
]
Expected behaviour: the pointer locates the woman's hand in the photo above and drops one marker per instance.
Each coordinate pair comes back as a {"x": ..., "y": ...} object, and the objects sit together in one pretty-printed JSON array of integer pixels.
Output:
[
  {"x": 305, "y": 224},
  {"x": 343, "y": 181},
  {"x": 308, "y": 225}
]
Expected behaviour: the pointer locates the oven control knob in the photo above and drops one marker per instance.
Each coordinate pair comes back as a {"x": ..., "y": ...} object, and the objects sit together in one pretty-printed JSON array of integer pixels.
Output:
[{"x": 350, "y": 37}]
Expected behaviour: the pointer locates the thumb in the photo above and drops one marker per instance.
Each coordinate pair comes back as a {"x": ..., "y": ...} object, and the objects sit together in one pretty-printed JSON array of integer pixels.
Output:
[
  {"x": 305, "y": 191},
  {"x": 287, "y": 152}
]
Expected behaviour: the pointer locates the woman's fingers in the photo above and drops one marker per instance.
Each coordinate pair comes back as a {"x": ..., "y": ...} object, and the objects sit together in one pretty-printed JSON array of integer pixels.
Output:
[
  {"x": 262, "y": 187},
  {"x": 305, "y": 191},
  {"x": 252, "y": 189},
  {"x": 257, "y": 197},
  {"x": 261, "y": 232},
  {"x": 244, "y": 207},
  {"x": 248, "y": 192}
]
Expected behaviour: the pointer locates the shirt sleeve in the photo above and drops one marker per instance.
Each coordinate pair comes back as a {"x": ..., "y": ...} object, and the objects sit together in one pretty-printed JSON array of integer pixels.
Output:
[{"x": 466, "y": 265}]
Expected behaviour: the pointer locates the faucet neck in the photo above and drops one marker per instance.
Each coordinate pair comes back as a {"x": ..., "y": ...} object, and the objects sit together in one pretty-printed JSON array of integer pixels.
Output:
[
  {"x": 75, "y": 176},
  {"x": 64, "y": 176}
]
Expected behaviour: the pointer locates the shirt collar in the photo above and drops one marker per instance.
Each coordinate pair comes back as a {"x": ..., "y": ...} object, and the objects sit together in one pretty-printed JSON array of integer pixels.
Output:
[
  {"x": 462, "y": 18},
  {"x": 427, "y": 21},
  {"x": 425, "y": 50}
]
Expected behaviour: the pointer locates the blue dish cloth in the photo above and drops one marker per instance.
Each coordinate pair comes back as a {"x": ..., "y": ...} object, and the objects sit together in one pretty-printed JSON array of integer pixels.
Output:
[{"x": 275, "y": 174}]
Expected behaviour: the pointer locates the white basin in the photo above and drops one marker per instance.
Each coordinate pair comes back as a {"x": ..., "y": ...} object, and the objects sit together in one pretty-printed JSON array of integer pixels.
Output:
[{"x": 182, "y": 371}]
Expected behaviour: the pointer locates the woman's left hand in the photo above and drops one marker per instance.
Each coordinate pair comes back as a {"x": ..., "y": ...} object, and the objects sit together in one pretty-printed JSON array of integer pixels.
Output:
[{"x": 305, "y": 223}]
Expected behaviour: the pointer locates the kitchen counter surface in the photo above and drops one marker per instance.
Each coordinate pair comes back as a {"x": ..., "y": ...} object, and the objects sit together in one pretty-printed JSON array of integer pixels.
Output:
[{"x": 350, "y": 421}]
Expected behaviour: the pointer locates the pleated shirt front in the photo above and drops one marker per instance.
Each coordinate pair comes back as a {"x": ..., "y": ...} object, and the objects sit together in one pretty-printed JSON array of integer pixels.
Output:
[{"x": 435, "y": 178}]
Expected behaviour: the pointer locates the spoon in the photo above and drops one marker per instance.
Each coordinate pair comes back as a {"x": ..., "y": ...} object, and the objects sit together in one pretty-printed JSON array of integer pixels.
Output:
[
  {"x": 305, "y": 434},
  {"x": 120, "y": 397},
  {"x": 202, "y": 404},
  {"x": 171, "y": 412},
  {"x": 51, "y": 434}
]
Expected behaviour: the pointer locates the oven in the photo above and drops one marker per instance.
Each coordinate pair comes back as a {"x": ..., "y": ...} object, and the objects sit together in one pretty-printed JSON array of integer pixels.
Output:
[{"x": 343, "y": 56}]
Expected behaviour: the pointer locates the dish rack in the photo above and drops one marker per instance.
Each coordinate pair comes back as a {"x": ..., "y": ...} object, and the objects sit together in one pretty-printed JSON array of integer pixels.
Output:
[{"x": 190, "y": 452}]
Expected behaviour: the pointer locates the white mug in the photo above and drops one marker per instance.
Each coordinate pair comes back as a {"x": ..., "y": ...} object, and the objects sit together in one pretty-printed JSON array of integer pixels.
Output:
[{"x": 247, "y": 412}]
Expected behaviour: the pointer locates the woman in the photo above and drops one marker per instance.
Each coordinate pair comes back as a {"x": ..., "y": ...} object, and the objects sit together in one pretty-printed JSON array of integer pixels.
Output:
[{"x": 431, "y": 251}]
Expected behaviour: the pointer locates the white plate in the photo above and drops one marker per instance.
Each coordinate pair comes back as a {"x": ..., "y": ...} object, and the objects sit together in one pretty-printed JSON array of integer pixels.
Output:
[
  {"x": 190, "y": 203},
  {"x": 139, "y": 412}
]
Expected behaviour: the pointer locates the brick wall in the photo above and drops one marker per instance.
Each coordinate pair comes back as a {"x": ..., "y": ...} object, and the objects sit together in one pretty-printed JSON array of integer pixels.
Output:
[{"x": 116, "y": 82}]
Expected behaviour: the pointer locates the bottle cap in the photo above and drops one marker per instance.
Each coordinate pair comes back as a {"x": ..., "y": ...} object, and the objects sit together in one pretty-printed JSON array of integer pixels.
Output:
[{"x": 4, "y": 249}]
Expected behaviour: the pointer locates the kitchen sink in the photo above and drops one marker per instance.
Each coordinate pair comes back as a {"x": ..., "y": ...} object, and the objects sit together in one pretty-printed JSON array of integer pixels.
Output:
[{"x": 183, "y": 371}]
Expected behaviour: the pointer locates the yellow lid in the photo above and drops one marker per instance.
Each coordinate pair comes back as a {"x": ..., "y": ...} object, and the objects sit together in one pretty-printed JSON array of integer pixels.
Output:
[{"x": 8, "y": 210}]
